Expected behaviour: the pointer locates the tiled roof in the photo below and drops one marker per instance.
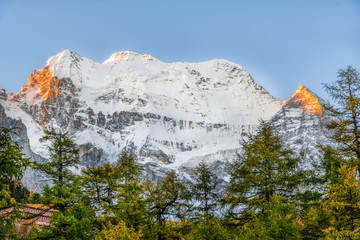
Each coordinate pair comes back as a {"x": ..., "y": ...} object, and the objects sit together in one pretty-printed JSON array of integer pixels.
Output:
[{"x": 37, "y": 214}]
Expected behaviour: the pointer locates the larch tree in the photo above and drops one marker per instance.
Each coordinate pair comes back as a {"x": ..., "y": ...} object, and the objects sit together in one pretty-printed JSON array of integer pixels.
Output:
[
  {"x": 12, "y": 160},
  {"x": 12, "y": 166},
  {"x": 101, "y": 184},
  {"x": 346, "y": 113},
  {"x": 63, "y": 156},
  {"x": 264, "y": 168},
  {"x": 131, "y": 206},
  {"x": 73, "y": 218},
  {"x": 342, "y": 206},
  {"x": 204, "y": 192},
  {"x": 167, "y": 199}
]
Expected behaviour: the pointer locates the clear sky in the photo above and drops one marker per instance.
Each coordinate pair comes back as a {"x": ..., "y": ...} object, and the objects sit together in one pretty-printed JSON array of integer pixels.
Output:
[{"x": 281, "y": 43}]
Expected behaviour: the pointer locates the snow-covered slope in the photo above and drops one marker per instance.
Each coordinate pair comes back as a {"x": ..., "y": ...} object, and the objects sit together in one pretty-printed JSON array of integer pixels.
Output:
[
  {"x": 302, "y": 124},
  {"x": 171, "y": 115},
  {"x": 212, "y": 91}
]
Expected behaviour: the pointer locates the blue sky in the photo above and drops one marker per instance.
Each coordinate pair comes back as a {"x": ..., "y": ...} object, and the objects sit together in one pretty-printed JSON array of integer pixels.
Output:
[{"x": 282, "y": 44}]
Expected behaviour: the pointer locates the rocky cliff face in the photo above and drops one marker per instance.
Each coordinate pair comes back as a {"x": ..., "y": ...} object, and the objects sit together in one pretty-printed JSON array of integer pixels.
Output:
[
  {"x": 172, "y": 115},
  {"x": 301, "y": 123}
]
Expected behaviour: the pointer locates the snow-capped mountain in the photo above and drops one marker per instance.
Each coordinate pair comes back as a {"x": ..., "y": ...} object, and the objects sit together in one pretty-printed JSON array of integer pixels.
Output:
[
  {"x": 172, "y": 115},
  {"x": 302, "y": 124}
]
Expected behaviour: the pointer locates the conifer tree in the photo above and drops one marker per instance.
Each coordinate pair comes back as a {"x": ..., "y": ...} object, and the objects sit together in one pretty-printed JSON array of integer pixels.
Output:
[
  {"x": 63, "y": 156},
  {"x": 264, "y": 168},
  {"x": 12, "y": 161},
  {"x": 101, "y": 184},
  {"x": 204, "y": 190},
  {"x": 131, "y": 206},
  {"x": 326, "y": 173},
  {"x": 205, "y": 224},
  {"x": 167, "y": 199},
  {"x": 331, "y": 163},
  {"x": 342, "y": 206},
  {"x": 73, "y": 218},
  {"x": 346, "y": 124},
  {"x": 118, "y": 232},
  {"x": 280, "y": 222},
  {"x": 12, "y": 166},
  {"x": 7, "y": 220}
]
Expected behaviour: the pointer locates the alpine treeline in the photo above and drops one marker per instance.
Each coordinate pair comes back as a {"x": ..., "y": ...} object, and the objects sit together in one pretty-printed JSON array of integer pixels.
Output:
[{"x": 269, "y": 195}]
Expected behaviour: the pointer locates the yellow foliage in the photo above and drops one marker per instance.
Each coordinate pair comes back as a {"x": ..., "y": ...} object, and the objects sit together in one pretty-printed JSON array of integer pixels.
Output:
[
  {"x": 342, "y": 206},
  {"x": 118, "y": 232}
]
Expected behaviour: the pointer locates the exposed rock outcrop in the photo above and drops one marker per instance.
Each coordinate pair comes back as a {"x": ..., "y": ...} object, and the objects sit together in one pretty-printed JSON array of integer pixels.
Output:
[{"x": 172, "y": 115}]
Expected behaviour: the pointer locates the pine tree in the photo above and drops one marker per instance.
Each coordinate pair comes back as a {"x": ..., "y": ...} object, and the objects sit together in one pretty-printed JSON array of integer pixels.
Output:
[
  {"x": 346, "y": 126},
  {"x": 264, "y": 168}
]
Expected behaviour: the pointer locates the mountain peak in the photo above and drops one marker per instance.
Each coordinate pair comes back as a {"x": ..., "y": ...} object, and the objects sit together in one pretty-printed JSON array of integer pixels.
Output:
[
  {"x": 307, "y": 100},
  {"x": 41, "y": 84},
  {"x": 3, "y": 94},
  {"x": 126, "y": 56},
  {"x": 64, "y": 56}
]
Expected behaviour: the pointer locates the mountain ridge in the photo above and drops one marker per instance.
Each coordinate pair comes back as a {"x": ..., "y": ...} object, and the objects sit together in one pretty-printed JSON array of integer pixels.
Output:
[{"x": 172, "y": 115}]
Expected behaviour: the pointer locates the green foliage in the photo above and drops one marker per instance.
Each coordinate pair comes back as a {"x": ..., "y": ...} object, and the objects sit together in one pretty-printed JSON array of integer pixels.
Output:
[
  {"x": 7, "y": 221},
  {"x": 74, "y": 218},
  {"x": 314, "y": 220},
  {"x": 280, "y": 222},
  {"x": 131, "y": 206},
  {"x": 204, "y": 190},
  {"x": 342, "y": 204},
  {"x": 167, "y": 198},
  {"x": 325, "y": 173},
  {"x": 101, "y": 185},
  {"x": 209, "y": 229},
  {"x": 18, "y": 191},
  {"x": 266, "y": 167},
  {"x": 10, "y": 227},
  {"x": 128, "y": 167},
  {"x": 63, "y": 156},
  {"x": 12, "y": 160},
  {"x": 12, "y": 166},
  {"x": 118, "y": 232},
  {"x": 7, "y": 228},
  {"x": 75, "y": 223},
  {"x": 346, "y": 94},
  {"x": 331, "y": 164}
]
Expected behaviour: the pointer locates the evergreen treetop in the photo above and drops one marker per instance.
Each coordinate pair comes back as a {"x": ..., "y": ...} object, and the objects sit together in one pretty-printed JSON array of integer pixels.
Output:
[
  {"x": 264, "y": 168},
  {"x": 346, "y": 122}
]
